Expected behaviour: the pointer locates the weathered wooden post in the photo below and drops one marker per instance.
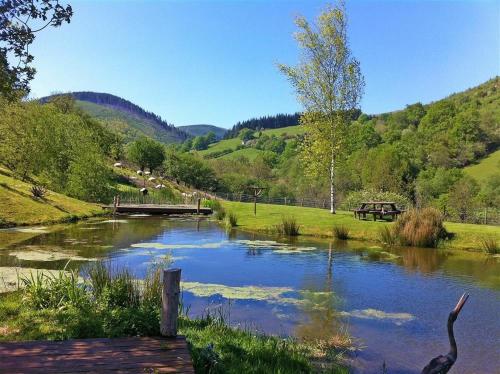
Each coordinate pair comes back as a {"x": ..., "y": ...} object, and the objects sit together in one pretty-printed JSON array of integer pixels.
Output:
[
  {"x": 198, "y": 203},
  {"x": 170, "y": 302}
]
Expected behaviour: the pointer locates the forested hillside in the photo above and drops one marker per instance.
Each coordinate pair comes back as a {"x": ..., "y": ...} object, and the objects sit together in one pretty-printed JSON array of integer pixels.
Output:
[{"x": 125, "y": 117}]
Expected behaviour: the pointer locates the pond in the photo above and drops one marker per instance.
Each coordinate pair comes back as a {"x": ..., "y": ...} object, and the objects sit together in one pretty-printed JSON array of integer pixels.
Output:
[{"x": 394, "y": 303}]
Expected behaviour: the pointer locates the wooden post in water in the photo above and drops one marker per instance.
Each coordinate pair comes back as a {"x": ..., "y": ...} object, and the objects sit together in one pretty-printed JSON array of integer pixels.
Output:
[{"x": 170, "y": 302}]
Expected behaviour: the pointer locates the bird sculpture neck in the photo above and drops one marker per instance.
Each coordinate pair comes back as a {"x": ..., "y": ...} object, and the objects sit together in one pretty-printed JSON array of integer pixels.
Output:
[{"x": 453, "y": 344}]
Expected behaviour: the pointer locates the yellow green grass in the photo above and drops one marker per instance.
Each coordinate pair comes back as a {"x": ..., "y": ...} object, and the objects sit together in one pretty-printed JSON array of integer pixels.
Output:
[
  {"x": 319, "y": 222},
  {"x": 487, "y": 167},
  {"x": 250, "y": 153},
  {"x": 18, "y": 207}
]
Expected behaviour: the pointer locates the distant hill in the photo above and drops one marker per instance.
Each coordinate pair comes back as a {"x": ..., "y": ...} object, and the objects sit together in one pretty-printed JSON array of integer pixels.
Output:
[
  {"x": 200, "y": 130},
  {"x": 125, "y": 117}
]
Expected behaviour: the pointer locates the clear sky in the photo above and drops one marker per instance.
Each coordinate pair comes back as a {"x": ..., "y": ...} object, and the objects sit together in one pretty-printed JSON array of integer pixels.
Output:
[{"x": 214, "y": 61}]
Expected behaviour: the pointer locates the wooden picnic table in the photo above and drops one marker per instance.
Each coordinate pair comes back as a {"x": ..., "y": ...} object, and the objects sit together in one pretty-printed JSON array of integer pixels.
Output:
[{"x": 378, "y": 209}]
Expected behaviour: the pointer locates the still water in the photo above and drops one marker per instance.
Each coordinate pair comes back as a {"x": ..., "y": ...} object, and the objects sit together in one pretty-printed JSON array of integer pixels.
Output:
[{"x": 394, "y": 303}]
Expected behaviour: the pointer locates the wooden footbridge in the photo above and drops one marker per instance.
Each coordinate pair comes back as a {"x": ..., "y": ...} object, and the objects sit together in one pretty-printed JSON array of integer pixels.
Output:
[
  {"x": 158, "y": 209},
  {"x": 168, "y": 353},
  {"x": 119, "y": 207}
]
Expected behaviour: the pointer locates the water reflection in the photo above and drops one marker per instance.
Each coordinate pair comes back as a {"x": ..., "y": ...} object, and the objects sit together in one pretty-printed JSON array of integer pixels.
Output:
[{"x": 392, "y": 300}]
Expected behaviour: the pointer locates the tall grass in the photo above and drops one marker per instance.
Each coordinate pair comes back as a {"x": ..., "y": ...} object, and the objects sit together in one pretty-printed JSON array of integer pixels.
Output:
[
  {"x": 231, "y": 220},
  {"x": 386, "y": 236},
  {"x": 288, "y": 226},
  {"x": 341, "y": 232},
  {"x": 420, "y": 228},
  {"x": 490, "y": 245}
]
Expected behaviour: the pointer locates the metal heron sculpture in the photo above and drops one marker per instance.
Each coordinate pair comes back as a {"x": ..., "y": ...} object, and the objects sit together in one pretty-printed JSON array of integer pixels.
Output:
[{"x": 442, "y": 364}]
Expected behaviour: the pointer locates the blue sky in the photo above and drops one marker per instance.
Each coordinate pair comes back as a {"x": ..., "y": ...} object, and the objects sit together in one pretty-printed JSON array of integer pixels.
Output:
[{"x": 214, "y": 61}]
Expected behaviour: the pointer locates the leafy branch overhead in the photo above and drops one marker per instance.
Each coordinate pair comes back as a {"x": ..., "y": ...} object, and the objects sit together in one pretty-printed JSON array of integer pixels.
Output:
[{"x": 20, "y": 20}]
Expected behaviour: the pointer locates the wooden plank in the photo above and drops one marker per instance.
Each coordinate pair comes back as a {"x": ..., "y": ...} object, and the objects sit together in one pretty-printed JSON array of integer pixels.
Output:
[{"x": 123, "y": 355}]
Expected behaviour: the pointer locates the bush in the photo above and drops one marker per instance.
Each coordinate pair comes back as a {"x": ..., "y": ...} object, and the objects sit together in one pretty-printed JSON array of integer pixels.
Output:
[
  {"x": 341, "y": 232},
  {"x": 420, "y": 228},
  {"x": 288, "y": 226},
  {"x": 490, "y": 245}
]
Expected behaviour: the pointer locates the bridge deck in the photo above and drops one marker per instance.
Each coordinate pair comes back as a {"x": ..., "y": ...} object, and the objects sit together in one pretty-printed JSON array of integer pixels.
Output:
[
  {"x": 158, "y": 209},
  {"x": 122, "y": 355}
]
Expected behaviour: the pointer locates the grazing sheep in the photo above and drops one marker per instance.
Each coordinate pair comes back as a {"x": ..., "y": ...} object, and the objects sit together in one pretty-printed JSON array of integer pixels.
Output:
[
  {"x": 151, "y": 179},
  {"x": 147, "y": 172},
  {"x": 117, "y": 165},
  {"x": 144, "y": 191},
  {"x": 139, "y": 172}
]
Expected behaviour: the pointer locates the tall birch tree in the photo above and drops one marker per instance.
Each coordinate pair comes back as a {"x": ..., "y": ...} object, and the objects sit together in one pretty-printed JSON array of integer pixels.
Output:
[{"x": 329, "y": 85}]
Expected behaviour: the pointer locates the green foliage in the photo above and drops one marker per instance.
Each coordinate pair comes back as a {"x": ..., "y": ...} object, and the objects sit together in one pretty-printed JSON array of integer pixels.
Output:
[
  {"x": 246, "y": 134},
  {"x": 19, "y": 22},
  {"x": 420, "y": 228},
  {"x": 58, "y": 146},
  {"x": 190, "y": 170},
  {"x": 146, "y": 152},
  {"x": 354, "y": 199}
]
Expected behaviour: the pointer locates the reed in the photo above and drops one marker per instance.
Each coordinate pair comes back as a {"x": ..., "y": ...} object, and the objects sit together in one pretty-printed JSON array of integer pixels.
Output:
[
  {"x": 420, "y": 228},
  {"x": 288, "y": 226},
  {"x": 490, "y": 245},
  {"x": 231, "y": 220},
  {"x": 387, "y": 236},
  {"x": 341, "y": 232}
]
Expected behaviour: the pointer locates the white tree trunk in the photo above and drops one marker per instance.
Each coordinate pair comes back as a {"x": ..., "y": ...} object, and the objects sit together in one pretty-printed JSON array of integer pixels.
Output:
[{"x": 332, "y": 185}]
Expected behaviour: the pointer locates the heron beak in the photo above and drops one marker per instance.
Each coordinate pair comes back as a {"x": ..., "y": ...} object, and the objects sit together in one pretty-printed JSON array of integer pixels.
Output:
[{"x": 460, "y": 303}]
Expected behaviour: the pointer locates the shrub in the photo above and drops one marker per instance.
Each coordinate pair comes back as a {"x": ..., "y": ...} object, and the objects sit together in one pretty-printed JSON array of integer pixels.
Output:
[
  {"x": 38, "y": 191},
  {"x": 420, "y": 228},
  {"x": 231, "y": 220},
  {"x": 386, "y": 235},
  {"x": 490, "y": 245},
  {"x": 288, "y": 226},
  {"x": 341, "y": 232}
]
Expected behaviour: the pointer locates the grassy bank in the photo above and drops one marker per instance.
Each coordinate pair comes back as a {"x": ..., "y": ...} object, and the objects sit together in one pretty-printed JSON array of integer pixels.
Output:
[
  {"x": 319, "y": 222},
  {"x": 117, "y": 305},
  {"x": 19, "y": 207}
]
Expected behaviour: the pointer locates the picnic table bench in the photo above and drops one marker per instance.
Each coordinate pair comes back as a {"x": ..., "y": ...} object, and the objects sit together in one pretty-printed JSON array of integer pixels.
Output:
[{"x": 378, "y": 209}]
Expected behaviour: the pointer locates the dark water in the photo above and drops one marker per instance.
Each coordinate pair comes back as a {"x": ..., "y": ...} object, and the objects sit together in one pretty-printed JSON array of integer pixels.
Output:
[{"x": 395, "y": 303}]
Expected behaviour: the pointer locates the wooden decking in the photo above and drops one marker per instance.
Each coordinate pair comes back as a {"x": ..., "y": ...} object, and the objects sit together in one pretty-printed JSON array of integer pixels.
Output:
[
  {"x": 123, "y": 355},
  {"x": 159, "y": 209}
]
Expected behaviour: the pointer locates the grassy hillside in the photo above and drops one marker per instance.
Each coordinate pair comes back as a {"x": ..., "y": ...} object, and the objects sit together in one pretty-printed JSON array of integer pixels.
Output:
[
  {"x": 319, "y": 222},
  {"x": 251, "y": 153},
  {"x": 201, "y": 130},
  {"x": 486, "y": 167},
  {"x": 18, "y": 207}
]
